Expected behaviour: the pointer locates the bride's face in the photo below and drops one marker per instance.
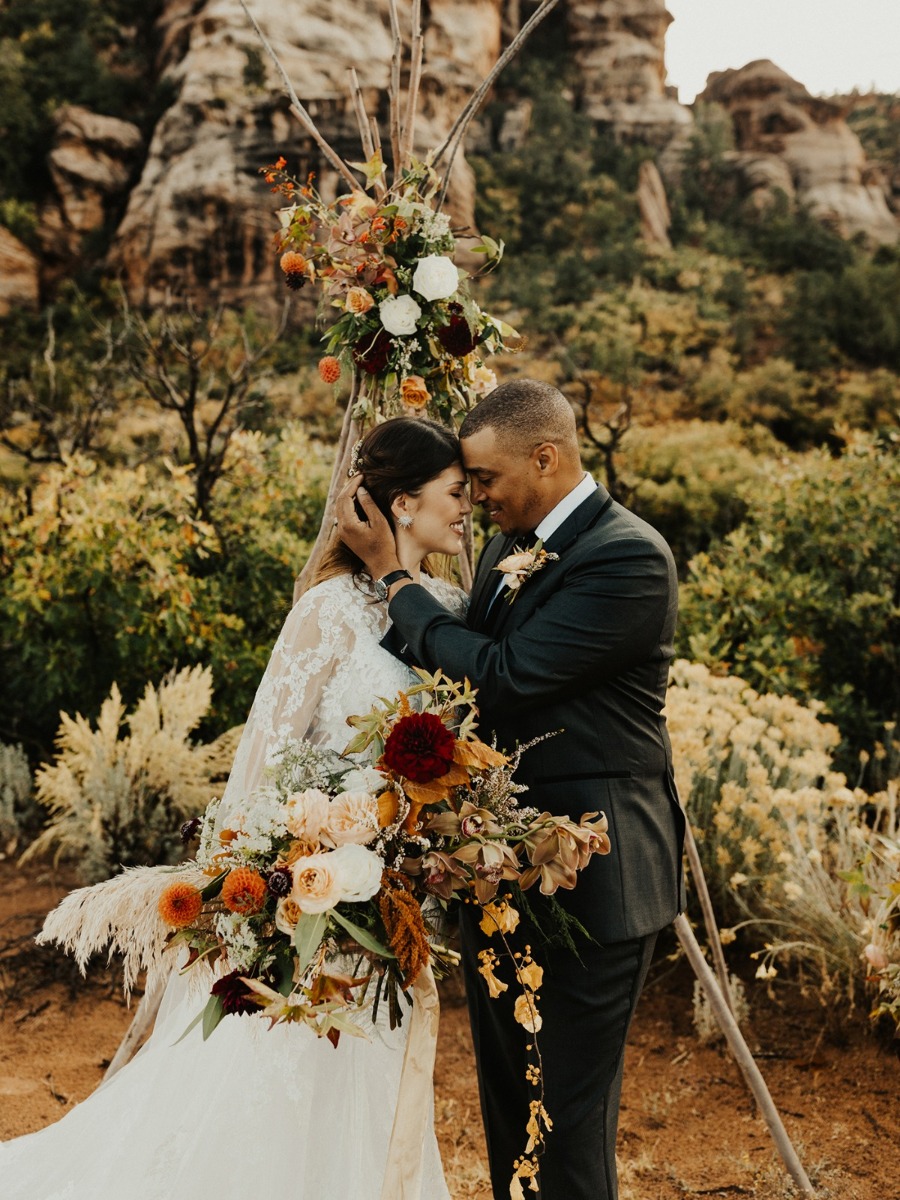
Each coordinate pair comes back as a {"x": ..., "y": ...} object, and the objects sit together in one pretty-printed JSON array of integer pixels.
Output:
[{"x": 437, "y": 511}]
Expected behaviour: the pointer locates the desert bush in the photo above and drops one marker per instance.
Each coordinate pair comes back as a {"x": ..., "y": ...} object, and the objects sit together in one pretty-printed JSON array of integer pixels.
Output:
[
  {"x": 835, "y": 919},
  {"x": 775, "y": 394},
  {"x": 17, "y": 808},
  {"x": 690, "y": 479},
  {"x": 744, "y": 760},
  {"x": 118, "y": 798},
  {"x": 807, "y": 868},
  {"x": 802, "y": 598},
  {"x": 106, "y": 574}
]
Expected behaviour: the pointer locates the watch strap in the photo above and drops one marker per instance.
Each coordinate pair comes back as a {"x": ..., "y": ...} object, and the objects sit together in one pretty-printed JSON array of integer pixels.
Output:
[{"x": 393, "y": 576}]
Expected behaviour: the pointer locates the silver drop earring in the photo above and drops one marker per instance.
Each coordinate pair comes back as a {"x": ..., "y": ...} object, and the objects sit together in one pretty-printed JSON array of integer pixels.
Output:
[{"x": 404, "y": 521}]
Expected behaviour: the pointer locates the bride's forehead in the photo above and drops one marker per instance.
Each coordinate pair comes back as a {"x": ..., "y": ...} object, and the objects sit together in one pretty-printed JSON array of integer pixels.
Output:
[{"x": 449, "y": 477}]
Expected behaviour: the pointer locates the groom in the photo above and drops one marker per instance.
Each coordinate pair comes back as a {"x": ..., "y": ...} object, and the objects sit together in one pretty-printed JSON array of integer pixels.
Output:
[{"x": 583, "y": 646}]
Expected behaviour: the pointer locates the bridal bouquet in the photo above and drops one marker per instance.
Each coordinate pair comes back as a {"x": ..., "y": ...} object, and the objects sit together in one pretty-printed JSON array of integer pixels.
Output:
[
  {"x": 399, "y": 311},
  {"x": 314, "y": 900}
]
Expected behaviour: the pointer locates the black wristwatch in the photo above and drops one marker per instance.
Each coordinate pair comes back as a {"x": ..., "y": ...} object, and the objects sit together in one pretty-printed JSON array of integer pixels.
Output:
[{"x": 381, "y": 586}]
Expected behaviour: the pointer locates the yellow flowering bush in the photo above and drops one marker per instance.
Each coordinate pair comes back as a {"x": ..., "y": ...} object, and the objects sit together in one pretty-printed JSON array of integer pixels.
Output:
[
  {"x": 746, "y": 762},
  {"x": 809, "y": 866}
]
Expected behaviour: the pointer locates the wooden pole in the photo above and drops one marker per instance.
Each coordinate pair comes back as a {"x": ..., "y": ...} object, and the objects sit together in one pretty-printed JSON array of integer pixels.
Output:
[
  {"x": 709, "y": 916},
  {"x": 742, "y": 1055}
]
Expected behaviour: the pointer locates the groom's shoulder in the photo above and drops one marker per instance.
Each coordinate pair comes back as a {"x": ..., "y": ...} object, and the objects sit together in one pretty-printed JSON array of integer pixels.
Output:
[{"x": 619, "y": 528}]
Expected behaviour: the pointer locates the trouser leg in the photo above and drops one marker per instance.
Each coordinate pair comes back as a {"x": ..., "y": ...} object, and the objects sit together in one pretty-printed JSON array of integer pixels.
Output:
[{"x": 586, "y": 1009}]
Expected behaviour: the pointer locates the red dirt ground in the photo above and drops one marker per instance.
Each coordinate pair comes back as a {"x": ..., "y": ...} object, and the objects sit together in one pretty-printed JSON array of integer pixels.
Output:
[{"x": 688, "y": 1127}]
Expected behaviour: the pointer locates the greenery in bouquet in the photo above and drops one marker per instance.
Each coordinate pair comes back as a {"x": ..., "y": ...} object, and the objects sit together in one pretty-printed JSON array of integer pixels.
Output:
[{"x": 399, "y": 312}]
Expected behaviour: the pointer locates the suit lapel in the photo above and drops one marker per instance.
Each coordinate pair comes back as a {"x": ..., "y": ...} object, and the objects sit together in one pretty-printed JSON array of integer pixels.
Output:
[{"x": 485, "y": 579}]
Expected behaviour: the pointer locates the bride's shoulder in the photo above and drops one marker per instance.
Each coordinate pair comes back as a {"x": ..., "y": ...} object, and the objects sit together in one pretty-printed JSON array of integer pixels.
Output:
[
  {"x": 448, "y": 594},
  {"x": 328, "y": 600}
]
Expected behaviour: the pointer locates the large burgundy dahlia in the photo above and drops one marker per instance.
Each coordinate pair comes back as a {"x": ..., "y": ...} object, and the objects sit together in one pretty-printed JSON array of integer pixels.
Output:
[{"x": 420, "y": 748}]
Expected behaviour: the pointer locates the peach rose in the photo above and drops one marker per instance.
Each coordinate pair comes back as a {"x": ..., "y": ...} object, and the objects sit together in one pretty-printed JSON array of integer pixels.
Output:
[
  {"x": 306, "y": 813},
  {"x": 413, "y": 392},
  {"x": 352, "y": 817},
  {"x": 287, "y": 914},
  {"x": 358, "y": 300},
  {"x": 483, "y": 381},
  {"x": 317, "y": 884},
  {"x": 513, "y": 563}
]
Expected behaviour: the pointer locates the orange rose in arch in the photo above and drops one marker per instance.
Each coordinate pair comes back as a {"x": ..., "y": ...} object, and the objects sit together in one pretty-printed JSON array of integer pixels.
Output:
[{"x": 413, "y": 392}]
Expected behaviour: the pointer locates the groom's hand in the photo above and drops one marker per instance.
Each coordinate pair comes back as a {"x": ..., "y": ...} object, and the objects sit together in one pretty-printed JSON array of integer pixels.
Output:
[{"x": 370, "y": 537}]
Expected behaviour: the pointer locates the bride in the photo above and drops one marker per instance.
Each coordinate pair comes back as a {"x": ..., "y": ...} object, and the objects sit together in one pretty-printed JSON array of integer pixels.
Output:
[{"x": 280, "y": 1112}]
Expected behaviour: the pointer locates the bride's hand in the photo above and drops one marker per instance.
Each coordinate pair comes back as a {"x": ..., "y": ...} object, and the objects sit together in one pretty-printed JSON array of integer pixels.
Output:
[{"x": 370, "y": 538}]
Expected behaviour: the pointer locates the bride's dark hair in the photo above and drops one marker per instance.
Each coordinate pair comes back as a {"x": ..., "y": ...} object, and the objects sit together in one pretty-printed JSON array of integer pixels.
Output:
[{"x": 395, "y": 458}]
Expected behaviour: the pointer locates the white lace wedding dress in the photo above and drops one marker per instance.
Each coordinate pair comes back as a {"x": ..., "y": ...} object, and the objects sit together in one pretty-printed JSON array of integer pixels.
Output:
[{"x": 251, "y": 1112}]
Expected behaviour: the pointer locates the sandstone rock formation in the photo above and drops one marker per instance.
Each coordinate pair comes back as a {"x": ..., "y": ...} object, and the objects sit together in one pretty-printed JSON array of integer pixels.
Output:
[
  {"x": 19, "y": 274},
  {"x": 619, "y": 48},
  {"x": 200, "y": 212},
  {"x": 788, "y": 139},
  {"x": 656, "y": 218},
  {"x": 91, "y": 163}
]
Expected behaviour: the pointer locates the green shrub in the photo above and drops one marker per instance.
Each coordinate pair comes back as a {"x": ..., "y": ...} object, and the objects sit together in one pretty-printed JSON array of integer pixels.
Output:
[
  {"x": 690, "y": 479},
  {"x": 802, "y": 598},
  {"x": 18, "y": 811},
  {"x": 106, "y": 575}
]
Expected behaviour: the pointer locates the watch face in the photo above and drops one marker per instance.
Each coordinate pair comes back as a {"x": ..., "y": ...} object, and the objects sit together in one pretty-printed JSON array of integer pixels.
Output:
[{"x": 380, "y": 589}]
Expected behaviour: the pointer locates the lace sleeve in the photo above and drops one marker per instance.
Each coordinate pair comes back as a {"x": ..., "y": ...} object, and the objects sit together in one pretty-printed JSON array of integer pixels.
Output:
[
  {"x": 453, "y": 598},
  {"x": 311, "y": 643}
]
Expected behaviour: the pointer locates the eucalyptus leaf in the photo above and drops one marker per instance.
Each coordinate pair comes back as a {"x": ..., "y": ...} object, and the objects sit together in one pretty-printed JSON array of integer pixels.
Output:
[
  {"x": 362, "y": 936},
  {"x": 212, "y": 1015},
  {"x": 196, "y": 1021},
  {"x": 308, "y": 934}
]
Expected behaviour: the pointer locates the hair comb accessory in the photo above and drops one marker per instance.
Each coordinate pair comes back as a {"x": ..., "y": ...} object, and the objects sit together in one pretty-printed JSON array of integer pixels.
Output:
[{"x": 354, "y": 468}]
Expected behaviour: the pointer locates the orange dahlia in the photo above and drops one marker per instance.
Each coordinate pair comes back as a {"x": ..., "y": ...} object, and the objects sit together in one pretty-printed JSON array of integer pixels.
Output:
[
  {"x": 330, "y": 369},
  {"x": 180, "y": 905},
  {"x": 244, "y": 891},
  {"x": 294, "y": 267}
]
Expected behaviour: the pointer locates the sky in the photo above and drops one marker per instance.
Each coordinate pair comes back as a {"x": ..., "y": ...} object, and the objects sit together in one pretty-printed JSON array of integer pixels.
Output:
[{"x": 828, "y": 45}]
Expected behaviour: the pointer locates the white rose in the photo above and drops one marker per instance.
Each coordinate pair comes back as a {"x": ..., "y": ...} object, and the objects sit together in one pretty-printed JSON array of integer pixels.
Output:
[
  {"x": 317, "y": 882},
  {"x": 358, "y": 871},
  {"x": 363, "y": 779},
  {"x": 399, "y": 315},
  {"x": 435, "y": 277},
  {"x": 484, "y": 380},
  {"x": 352, "y": 817},
  {"x": 306, "y": 813}
]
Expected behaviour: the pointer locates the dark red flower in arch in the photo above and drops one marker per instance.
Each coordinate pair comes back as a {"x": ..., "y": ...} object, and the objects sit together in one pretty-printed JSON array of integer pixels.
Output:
[{"x": 456, "y": 337}]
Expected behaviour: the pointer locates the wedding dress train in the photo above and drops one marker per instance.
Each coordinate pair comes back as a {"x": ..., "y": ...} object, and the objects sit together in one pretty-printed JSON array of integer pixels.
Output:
[{"x": 251, "y": 1111}]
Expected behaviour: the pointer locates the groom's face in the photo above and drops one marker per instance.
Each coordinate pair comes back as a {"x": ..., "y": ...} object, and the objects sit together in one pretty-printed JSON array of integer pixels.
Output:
[{"x": 504, "y": 482}]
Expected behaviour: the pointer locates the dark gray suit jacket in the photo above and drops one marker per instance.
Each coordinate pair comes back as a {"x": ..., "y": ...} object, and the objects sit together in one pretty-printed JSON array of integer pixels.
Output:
[{"x": 584, "y": 649}]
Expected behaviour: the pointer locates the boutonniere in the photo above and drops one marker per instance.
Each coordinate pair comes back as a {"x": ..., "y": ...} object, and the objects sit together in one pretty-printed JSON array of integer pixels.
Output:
[{"x": 521, "y": 565}]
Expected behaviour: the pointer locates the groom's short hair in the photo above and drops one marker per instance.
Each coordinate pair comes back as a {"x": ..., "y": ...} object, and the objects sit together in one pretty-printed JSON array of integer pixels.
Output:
[{"x": 524, "y": 413}]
